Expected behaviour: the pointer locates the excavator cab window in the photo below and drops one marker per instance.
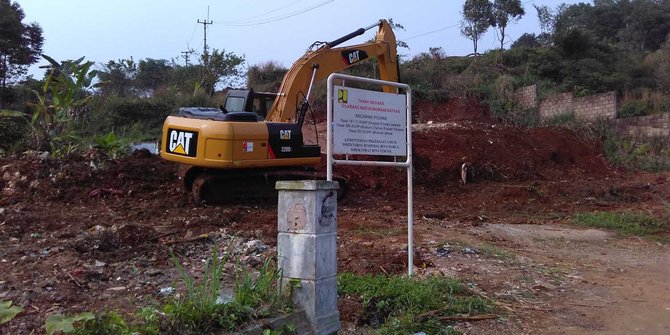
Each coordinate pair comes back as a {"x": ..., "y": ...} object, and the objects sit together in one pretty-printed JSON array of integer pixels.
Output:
[
  {"x": 234, "y": 104},
  {"x": 250, "y": 101}
]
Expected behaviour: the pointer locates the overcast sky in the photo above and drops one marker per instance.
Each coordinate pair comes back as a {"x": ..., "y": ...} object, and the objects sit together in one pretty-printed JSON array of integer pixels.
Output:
[{"x": 261, "y": 30}]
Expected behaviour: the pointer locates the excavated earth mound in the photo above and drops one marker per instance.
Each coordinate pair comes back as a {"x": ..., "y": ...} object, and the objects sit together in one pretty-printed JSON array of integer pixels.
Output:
[{"x": 88, "y": 232}]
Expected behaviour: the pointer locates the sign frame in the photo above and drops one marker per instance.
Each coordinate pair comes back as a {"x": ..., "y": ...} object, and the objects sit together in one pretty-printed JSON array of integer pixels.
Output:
[{"x": 407, "y": 163}]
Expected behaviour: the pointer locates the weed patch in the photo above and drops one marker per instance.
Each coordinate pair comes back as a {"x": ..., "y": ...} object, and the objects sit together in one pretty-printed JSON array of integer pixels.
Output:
[
  {"x": 397, "y": 305},
  {"x": 624, "y": 223},
  {"x": 202, "y": 309}
]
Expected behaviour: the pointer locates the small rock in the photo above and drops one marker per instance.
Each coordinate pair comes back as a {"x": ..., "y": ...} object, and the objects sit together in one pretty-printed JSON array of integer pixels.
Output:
[
  {"x": 254, "y": 246},
  {"x": 470, "y": 251},
  {"x": 166, "y": 291},
  {"x": 442, "y": 251},
  {"x": 117, "y": 288},
  {"x": 99, "y": 264},
  {"x": 2, "y": 210}
]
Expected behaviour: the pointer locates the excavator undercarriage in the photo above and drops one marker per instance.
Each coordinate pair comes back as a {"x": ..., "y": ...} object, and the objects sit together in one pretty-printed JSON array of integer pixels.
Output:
[{"x": 214, "y": 186}]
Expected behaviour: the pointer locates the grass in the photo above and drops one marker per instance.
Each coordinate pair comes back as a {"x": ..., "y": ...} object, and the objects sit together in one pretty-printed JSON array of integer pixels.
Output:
[
  {"x": 492, "y": 251},
  {"x": 364, "y": 230},
  {"x": 625, "y": 223},
  {"x": 200, "y": 310},
  {"x": 398, "y": 305}
]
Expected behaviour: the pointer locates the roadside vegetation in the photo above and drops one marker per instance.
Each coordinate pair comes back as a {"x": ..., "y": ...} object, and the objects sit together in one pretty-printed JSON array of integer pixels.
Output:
[
  {"x": 199, "y": 305},
  {"x": 401, "y": 305},
  {"x": 626, "y": 223}
]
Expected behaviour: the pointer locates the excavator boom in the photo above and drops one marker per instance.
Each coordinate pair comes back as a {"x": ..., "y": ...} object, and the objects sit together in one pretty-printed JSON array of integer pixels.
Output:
[{"x": 316, "y": 65}]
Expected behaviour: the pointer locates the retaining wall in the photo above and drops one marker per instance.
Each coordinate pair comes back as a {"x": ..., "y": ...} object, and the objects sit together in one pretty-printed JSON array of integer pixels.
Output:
[
  {"x": 586, "y": 109},
  {"x": 657, "y": 125},
  {"x": 526, "y": 97},
  {"x": 596, "y": 107},
  {"x": 555, "y": 105}
]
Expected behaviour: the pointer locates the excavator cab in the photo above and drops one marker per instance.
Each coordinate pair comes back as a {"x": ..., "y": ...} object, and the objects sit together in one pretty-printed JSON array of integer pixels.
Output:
[{"x": 249, "y": 101}]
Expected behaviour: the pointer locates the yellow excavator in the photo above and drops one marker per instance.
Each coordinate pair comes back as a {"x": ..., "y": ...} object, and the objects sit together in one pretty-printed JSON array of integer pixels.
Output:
[{"x": 255, "y": 138}]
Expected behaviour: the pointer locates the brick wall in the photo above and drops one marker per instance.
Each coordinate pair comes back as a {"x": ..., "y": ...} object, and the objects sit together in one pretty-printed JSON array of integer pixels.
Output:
[
  {"x": 526, "y": 97},
  {"x": 586, "y": 109},
  {"x": 595, "y": 107},
  {"x": 657, "y": 125},
  {"x": 556, "y": 104}
]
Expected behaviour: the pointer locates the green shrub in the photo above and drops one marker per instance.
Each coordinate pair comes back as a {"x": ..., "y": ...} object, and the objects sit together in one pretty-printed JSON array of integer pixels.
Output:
[
  {"x": 635, "y": 108},
  {"x": 564, "y": 120},
  {"x": 13, "y": 128}
]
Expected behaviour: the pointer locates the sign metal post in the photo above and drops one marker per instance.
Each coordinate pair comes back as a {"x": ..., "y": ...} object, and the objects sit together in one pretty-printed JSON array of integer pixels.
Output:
[{"x": 372, "y": 123}]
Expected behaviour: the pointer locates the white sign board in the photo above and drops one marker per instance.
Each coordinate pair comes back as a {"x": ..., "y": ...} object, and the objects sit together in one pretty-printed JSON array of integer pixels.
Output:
[{"x": 369, "y": 122}]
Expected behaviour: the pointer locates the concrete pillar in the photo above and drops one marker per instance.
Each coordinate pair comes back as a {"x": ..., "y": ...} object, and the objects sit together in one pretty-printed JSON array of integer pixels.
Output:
[{"x": 306, "y": 248}]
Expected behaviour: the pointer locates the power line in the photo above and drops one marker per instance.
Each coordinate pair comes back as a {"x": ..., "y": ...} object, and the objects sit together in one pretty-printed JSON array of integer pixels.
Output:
[
  {"x": 432, "y": 31},
  {"x": 266, "y": 13},
  {"x": 276, "y": 18},
  {"x": 195, "y": 26}
]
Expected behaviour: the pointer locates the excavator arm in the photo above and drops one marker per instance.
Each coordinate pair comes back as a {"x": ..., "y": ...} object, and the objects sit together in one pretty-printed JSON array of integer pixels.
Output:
[{"x": 317, "y": 64}]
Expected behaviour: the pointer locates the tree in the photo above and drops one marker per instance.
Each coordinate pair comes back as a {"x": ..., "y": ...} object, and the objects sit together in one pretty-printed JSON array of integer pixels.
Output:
[
  {"x": 546, "y": 18},
  {"x": 220, "y": 65},
  {"x": 646, "y": 26},
  {"x": 118, "y": 77},
  {"x": 20, "y": 45},
  {"x": 477, "y": 19},
  {"x": 504, "y": 12},
  {"x": 266, "y": 76},
  {"x": 153, "y": 74}
]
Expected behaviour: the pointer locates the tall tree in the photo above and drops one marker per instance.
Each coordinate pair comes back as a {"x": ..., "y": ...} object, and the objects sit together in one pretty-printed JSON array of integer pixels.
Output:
[
  {"x": 477, "y": 19},
  {"x": 20, "y": 44},
  {"x": 153, "y": 74},
  {"x": 504, "y": 12},
  {"x": 218, "y": 66},
  {"x": 118, "y": 77},
  {"x": 546, "y": 18}
]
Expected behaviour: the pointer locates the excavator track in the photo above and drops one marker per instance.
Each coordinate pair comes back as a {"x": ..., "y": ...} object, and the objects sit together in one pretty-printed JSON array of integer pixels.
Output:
[{"x": 220, "y": 186}]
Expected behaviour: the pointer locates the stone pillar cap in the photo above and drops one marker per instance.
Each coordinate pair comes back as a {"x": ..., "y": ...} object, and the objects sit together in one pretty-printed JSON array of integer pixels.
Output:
[{"x": 308, "y": 185}]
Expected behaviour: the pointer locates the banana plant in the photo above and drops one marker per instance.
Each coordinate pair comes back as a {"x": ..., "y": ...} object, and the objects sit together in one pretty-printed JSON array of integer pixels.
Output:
[{"x": 63, "y": 93}]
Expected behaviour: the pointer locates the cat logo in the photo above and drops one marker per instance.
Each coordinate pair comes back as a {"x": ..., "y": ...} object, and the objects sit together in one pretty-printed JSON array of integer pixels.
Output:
[
  {"x": 285, "y": 134},
  {"x": 182, "y": 142},
  {"x": 342, "y": 96},
  {"x": 354, "y": 56}
]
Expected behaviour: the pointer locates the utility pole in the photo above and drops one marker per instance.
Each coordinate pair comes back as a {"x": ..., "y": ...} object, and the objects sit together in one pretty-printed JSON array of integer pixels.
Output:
[
  {"x": 205, "y": 23},
  {"x": 187, "y": 54}
]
